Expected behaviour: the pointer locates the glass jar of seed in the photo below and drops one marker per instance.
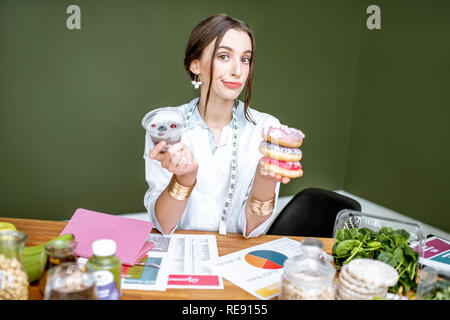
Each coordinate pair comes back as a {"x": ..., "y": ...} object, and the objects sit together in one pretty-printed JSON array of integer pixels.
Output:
[
  {"x": 13, "y": 279},
  {"x": 307, "y": 278}
]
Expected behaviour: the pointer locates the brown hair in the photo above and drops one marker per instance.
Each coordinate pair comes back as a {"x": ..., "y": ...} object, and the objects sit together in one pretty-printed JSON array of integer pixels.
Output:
[{"x": 206, "y": 31}]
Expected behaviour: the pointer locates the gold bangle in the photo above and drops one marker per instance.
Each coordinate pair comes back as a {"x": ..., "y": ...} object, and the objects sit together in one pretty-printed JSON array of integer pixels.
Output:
[
  {"x": 261, "y": 208},
  {"x": 178, "y": 191}
]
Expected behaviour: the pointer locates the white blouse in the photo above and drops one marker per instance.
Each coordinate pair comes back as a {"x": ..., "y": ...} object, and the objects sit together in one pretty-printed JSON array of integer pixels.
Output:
[{"x": 206, "y": 202}]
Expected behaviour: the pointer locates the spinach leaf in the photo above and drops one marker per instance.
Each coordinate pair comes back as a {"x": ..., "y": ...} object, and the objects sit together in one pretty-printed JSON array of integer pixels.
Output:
[
  {"x": 374, "y": 244},
  {"x": 441, "y": 290},
  {"x": 345, "y": 247},
  {"x": 387, "y": 257},
  {"x": 340, "y": 235},
  {"x": 387, "y": 245}
]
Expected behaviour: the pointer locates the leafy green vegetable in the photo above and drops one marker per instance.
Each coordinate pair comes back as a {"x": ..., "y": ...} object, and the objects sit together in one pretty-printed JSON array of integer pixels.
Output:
[
  {"x": 346, "y": 246},
  {"x": 387, "y": 245},
  {"x": 441, "y": 291}
]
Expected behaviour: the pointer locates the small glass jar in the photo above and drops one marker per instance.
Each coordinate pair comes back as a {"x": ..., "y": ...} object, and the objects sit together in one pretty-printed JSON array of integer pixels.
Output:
[
  {"x": 13, "y": 279},
  {"x": 69, "y": 281},
  {"x": 307, "y": 278},
  {"x": 164, "y": 124},
  {"x": 106, "y": 268},
  {"x": 56, "y": 253},
  {"x": 312, "y": 247}
]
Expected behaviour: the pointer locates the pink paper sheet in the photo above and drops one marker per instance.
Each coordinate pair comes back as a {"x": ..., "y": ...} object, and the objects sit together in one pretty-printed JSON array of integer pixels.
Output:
[
  {"x": 146, "y": 248},
  {"x": 129, "y": 234}
]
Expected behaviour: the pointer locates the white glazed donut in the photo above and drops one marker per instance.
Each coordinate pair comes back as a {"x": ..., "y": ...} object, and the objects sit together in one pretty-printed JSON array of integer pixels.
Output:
[{"x": 277, "y": 152}]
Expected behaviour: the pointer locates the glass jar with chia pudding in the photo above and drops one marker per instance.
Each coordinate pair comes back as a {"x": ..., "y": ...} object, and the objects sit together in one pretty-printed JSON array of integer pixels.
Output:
[{"x": 164, "y": 124}]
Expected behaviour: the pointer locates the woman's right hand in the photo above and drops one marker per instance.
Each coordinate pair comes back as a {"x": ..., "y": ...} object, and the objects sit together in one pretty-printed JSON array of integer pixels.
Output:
[{"x": 177, "y": 159}]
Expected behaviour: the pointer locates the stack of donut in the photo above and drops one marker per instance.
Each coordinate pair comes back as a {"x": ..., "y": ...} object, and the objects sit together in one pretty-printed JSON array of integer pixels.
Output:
[{"x": 280, "y": 147}]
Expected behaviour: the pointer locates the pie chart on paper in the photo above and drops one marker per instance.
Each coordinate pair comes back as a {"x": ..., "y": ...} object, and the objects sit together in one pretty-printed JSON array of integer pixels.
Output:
[{"x": 265, "y": 259}]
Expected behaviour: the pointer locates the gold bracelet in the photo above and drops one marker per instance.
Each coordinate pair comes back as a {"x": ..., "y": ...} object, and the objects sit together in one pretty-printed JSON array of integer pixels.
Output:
[
  {"x": 178, "y": 191},
  {"x": 261, "y": 208}
]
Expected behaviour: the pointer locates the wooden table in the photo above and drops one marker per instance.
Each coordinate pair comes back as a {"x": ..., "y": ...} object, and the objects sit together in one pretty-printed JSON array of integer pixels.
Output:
[{"x": 40, "y": 231}]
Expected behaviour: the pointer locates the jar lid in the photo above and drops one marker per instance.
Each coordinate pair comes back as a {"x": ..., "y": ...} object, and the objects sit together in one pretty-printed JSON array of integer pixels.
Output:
[
  {"x": 104, "y": 247},
  {"x": 313, "y": 243},
  {"x": 12, "y": 236},
  {"x": 61, "y": 248},
  {"x": 163, "y": 114},
  {"x": 303, "y": 270}
]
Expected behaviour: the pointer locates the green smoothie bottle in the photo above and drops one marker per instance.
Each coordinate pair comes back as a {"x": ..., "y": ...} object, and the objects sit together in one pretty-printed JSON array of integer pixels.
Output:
[{"x": 106, "y": 268}]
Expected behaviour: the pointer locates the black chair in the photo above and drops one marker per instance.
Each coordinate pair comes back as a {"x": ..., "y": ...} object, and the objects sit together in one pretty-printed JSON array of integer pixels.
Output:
[{"x": 311, "y": 213}]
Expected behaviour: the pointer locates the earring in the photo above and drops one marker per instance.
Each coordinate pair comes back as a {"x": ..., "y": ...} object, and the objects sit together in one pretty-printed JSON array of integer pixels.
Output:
[{"x": 196, "y": 83}]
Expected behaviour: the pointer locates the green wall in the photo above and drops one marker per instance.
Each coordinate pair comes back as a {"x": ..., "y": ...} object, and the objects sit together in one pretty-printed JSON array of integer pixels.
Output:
[
  {"x": 399, "y": 140},
  {"x": 71, "y": 101}
]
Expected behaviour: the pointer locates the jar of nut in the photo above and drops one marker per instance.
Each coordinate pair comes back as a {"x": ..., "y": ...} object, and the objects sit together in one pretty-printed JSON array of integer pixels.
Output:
[
  {"x": 307, "y": 278},
  {"x": 56, "y": 253},
  {"x": 13, "y": 279}
]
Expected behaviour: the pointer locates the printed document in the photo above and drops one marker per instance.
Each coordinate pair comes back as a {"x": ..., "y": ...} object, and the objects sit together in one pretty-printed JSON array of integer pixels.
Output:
[{"x": 258, "y": 269}]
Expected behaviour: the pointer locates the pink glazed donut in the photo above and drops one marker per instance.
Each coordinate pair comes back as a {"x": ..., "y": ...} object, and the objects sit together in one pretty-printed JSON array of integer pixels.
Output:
[
  {"x": 284, "y": 168},
  {"x": 284, "y": 136}
]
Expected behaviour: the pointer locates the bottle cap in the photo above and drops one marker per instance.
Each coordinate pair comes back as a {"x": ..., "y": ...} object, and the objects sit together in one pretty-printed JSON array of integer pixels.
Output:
[{"x": 104, "y": 247}]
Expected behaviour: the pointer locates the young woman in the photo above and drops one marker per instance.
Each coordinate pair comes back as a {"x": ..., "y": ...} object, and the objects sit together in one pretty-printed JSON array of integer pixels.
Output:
[{"x": 212, "y": 179}]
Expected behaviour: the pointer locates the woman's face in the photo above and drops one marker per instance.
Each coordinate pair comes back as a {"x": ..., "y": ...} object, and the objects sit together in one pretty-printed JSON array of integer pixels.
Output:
[{"x": 231, "y": 65}]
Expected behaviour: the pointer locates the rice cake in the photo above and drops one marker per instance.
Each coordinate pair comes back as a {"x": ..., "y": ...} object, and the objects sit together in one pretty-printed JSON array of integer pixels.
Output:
[
  {"x": 364, "y": 279},
  {"x": 373, "y": 273},
  {"x": 349, "y": 294},
  {"x": 357, "y": 286},
  {"x": 351, "y": 289}
]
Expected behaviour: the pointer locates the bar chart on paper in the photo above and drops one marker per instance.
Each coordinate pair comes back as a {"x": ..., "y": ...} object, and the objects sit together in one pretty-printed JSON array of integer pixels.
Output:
[{"x": 265, "y": 259}]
